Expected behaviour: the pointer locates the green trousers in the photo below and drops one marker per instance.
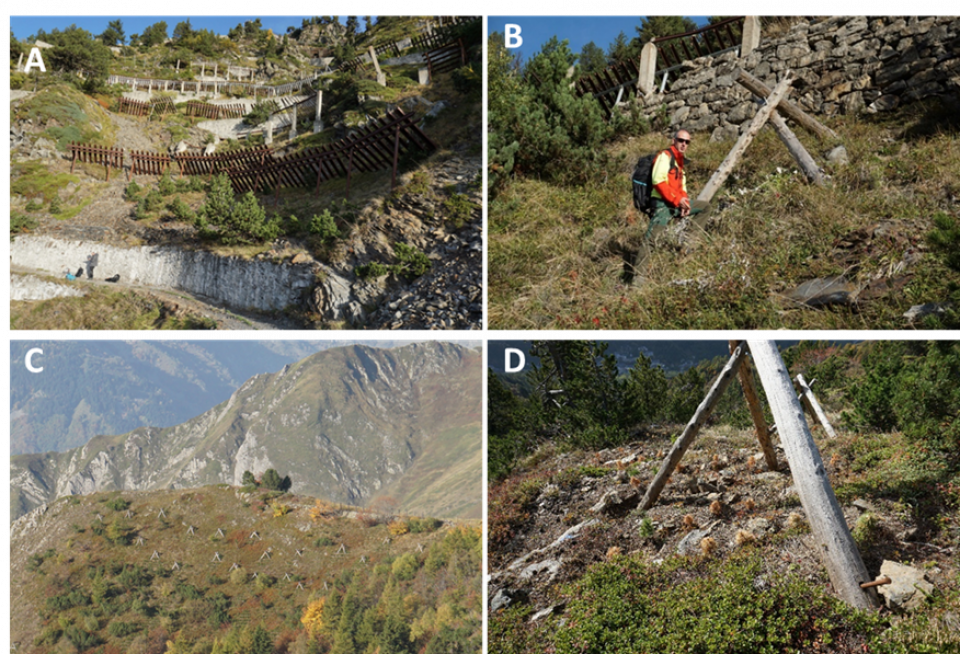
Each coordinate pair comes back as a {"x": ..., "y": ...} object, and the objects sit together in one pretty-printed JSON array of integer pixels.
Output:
[{"x": 660, "y": 217}]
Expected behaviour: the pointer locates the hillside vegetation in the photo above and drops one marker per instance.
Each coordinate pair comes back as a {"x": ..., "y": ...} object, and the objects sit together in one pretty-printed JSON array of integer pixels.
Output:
[
  {"x": 725, "y": 560},
  {"x": 388, "y": 241},
  {"x": 883, "y": 228},
  {"x": 241, "y": 571}
]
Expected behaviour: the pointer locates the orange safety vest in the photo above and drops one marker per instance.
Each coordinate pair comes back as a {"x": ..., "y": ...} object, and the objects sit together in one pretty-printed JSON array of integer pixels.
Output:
[{"x": 673, "y": 189}]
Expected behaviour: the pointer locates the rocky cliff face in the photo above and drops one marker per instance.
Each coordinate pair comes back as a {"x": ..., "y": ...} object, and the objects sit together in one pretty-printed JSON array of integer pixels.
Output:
[
  {"x": 237, "y": 282},
  {"x": 347, "y": 424}
]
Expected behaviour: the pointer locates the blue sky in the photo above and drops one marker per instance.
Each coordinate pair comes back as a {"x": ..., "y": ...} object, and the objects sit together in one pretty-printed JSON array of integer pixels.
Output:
[
  {"x": 578, "y": 30},
  {"x": 25, "y": 26}
]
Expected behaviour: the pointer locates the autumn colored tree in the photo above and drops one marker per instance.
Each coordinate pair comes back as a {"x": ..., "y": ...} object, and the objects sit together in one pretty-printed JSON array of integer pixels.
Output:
[
  {"x": 323, "y": 511},
  {"x": 313, "y": 616},
  {"x": 398, "y": 527}
]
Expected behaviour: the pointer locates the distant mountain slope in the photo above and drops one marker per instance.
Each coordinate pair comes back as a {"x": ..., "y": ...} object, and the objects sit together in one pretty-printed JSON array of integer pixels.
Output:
[
  {"x": 347, "y": 424},
  {"x": 208, "y": 567},
  {"x": 111, "y": 387}
]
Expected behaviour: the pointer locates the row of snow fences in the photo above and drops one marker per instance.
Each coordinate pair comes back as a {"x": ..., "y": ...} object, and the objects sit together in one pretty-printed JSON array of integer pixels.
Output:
[
  {"x": 133, "y": 107},
  {"x": 238, "y": 88},
  {"x": 605, "y": 85},
  {"x": 434, "y": 39},
  {"x": 148, "y": 163},
  {"x": 213, "y": 164},
  {"x": 446, "y": 58},
  {"x": 215, "y": 111},
  {"x": 96, "y": 154},
  {"x": 708, "y": 40},
  {"x": 373, "y": 147}
]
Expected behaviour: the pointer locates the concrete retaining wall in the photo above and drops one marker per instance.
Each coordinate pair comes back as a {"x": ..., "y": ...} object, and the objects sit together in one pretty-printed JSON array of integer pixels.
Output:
[{"x": 236, "y": 282}]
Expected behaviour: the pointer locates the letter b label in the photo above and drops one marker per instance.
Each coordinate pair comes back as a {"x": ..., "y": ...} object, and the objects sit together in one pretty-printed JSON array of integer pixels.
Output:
[{"x": 512, "y": 38}]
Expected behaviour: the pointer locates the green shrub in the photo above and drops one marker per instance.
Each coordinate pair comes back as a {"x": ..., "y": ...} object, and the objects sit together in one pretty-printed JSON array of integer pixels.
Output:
[
  {"x": 412, "y": 262},
  {"x": 458, "y": 208},
  {"x": 181, "y": 210},
  {"x": 468, "y": 81},
  {"x": 56, "y": 205},
  {"x": 166, "y": 185},
  {"x": 20, "y": 222},
  {"x": 372, "y": 269},
  {"x": 118, "y": 504},
  {"x": 728, "y": 606},
  {"x": 325, "y": 226},
  {"x": 231, "y": 220},
  {"x": 120, "y": 629},
  {"x": 260, "y": 112},
  {"x": 132, "y": 192}
]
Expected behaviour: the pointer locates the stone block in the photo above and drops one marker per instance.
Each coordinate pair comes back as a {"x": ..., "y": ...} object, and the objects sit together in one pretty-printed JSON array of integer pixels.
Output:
[
  {"x": 792, "y": 50},
  {"x": 840, "y": 89},
  {"x": 853, "y": 103},
  {"x": 741, "y": 112},
  {"x": 423, "y": 76}
]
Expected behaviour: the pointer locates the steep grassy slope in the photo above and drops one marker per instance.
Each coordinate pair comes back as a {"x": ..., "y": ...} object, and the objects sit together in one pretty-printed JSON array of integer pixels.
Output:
[
  {"x": 556, "y": 252},
  {"x": 230, "y": 568},
  {"x": 725, "y": 561}
]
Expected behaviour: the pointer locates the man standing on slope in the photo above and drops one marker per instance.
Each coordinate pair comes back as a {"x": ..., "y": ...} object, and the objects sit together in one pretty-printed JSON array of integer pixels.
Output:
[{"x": 668, "y": 199}]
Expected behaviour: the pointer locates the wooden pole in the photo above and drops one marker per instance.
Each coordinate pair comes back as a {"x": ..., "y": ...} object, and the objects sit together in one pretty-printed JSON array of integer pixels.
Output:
[
  {"x": 396, "y": 159},
  {"x": 838, "y": 549},
  {"x": 807, "y": 394},
  {"x": 787, "y": 108},
  {"x": 756, "y": 410},
  {"x": 692, "y": 429},
  {"x": 721, "y": 174},
  {"x": 800, "y": 154}
]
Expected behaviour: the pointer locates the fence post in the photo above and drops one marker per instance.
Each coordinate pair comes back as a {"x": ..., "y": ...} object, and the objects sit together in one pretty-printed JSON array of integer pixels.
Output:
[
  {"x": 751, "y": 35},
  {"x": 829, "y": 527},
  {"x": 700, "y": 416},
  {"x": 317, "y": 123},
  {"x": 648, "y": 68}
]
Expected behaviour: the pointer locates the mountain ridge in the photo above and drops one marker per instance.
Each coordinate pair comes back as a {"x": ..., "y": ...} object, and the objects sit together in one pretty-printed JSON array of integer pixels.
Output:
[{"x": 345, "y": 424}]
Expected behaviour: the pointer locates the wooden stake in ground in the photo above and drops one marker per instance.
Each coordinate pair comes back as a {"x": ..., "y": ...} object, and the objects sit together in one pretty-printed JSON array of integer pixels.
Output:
[
  {"x": 720, "y": 175},
  {"x": 787, "y": 108},
  {"x": 756, "y": 411},
  {"x": 800, "y": 154},
  {"x": 838, "y": 549},
  {"x": 692, "y": 429},
  {"x": 806, "y": 394}
]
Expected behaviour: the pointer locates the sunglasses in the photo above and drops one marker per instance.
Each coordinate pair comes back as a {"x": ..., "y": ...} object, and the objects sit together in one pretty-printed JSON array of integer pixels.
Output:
[{"x": 683, "y": 140}]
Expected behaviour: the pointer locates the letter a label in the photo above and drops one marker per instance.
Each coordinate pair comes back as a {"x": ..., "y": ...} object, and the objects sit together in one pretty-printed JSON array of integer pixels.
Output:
[{"x": 35, "y": 61}]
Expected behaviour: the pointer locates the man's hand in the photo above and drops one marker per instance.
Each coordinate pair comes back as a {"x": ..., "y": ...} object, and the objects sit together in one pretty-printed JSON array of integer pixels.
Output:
[{"x": 684, "y": 207}]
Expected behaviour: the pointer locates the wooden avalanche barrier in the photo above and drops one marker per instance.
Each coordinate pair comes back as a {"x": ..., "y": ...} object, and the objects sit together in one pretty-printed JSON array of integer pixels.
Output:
[
  {"x": 148, "y": 163},
  {"x": 215, "y": 111},
  {"x": 200, "y": 164},
  {"x": 446, "y": 58},
  {"x": 133, "y": 107},
  {"x": 605, "y": 85},
  {"x": 375, "y": 146},
  {"x": 96, "y": 154},
  {"x": 162, "y": 107}
]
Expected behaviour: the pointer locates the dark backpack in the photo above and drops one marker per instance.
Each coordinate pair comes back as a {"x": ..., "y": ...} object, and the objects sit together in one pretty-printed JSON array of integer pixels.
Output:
[{"x": 643, "y": 180}]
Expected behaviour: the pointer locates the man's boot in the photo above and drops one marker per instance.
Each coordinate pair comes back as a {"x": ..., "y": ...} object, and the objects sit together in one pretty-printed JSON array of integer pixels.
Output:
[{"x": 641, "y": 258}]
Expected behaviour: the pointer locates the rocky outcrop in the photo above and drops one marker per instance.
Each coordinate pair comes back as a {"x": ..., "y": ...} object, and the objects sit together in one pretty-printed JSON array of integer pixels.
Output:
[{"x": 236, "y": 282}]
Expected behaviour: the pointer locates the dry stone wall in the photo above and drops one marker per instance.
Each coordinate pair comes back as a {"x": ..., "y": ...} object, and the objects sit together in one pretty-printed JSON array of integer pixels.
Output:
[{"x": 845, "y": 64}]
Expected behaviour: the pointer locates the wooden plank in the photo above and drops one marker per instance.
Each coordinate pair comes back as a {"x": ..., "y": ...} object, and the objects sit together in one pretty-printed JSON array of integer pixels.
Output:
[
  {"x": 807, "y": 394},
  {"x": 726, "y": 167},
  {"x": 745, "y": 375},
  {"x": 800, "y": 154},
  {"x": 836, "y": 546},
  {"x": 689, "y": 435},
  {"x": 787, "y": 108}
]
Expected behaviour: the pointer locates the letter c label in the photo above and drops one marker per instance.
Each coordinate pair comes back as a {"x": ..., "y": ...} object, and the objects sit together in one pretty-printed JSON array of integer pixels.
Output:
[{"x": 29, "y": 360}]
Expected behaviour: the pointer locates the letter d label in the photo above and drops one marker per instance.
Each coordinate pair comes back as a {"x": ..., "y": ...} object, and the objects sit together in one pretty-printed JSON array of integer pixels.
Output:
[
  {"x": 512, "y": 39},
  {"x": 510, "y": 352}
]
